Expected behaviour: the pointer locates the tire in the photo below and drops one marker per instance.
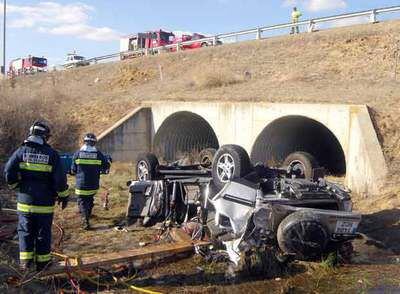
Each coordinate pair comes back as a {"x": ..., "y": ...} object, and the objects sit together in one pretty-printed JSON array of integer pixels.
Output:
[
  {"x": 300, "y": 164},
  {"x": 303, "y": 235},
  {"x": 146, "y": 167},
  {"x": 206, "y": 157},
  {"x": 204, "y": 44},
  {"x": 230, "y": 162}
]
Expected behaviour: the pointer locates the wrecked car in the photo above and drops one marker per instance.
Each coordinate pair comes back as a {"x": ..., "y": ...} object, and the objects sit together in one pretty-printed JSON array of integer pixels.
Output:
[{"x": 293, "y": 212}]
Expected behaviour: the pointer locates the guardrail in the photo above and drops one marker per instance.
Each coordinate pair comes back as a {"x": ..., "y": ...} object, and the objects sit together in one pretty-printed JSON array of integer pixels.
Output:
[{"x": 215, "y": 40}]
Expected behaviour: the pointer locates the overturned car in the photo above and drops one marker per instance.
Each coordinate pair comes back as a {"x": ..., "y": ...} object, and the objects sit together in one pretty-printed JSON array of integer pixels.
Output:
[{"x": 290, "y": 212}]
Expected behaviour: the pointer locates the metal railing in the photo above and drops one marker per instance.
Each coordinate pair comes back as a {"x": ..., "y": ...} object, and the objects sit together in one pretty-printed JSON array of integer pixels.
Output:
[{"x": 216, "y": 39}]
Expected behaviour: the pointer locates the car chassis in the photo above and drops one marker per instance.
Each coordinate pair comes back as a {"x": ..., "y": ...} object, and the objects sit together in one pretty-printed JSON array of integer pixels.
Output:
[{"x": 265, "y": 209}]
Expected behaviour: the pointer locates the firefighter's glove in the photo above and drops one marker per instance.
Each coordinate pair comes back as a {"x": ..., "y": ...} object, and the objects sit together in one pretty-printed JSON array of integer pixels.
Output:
[
  {"x": 63, "y": 202},
  {"x": 14, "y": 186}
]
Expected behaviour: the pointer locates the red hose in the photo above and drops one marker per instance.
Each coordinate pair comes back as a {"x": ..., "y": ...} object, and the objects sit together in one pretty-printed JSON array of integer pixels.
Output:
[{"x": 70, "y": 278}]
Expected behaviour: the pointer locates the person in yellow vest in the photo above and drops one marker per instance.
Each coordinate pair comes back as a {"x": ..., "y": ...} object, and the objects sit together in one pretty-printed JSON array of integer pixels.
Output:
[{"x": 296, "y": 14}]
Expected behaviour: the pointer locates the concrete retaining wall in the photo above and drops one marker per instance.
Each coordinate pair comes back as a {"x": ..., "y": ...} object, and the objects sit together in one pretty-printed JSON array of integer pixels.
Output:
[
  {"x": 366, "y": 167},
  {"x": 242, "y": 122},
  {"x": 128, "y": 137}
]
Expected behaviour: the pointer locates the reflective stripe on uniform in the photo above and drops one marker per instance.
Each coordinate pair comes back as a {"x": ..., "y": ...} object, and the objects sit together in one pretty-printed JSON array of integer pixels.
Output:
[
  {"x": 85, "y": 192},
  {"x": 34, "y": 208},
  {"x": 35, "y": 167},
  {"x": 88, "y": 161},
  {"x": 26, "y": 255},
  {"x": 43, "y": 257},
  {"x": 63, "y": 193},
  {"x": 13, "y": 186}
]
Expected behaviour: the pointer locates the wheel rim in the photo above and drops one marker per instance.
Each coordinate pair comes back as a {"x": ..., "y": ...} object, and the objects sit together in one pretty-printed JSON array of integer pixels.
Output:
[
  {"x": 142, "y": 171},
  {"x": 297, "y": 168},
  {"x": 225, "y": 168}
]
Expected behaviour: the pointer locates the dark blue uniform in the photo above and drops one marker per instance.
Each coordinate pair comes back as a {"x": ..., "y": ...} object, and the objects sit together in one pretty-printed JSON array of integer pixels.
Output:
[
  {"x": 35, "y": 171},
  {"x": 87, "y": 164}
]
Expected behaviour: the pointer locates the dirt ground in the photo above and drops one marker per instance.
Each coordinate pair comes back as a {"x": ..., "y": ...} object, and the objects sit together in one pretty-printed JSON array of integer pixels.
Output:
[{"x": 375, "y": 268}]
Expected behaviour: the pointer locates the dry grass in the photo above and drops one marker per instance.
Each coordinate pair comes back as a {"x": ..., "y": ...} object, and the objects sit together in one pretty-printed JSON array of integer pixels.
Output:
[
  {"x": 347, "y": 65},
  {"x": 17, "y": 114},
  {"x": 208, "y": 79},
  {"x": 129, "y": 75},
  {"x": 352, "y": 65}
]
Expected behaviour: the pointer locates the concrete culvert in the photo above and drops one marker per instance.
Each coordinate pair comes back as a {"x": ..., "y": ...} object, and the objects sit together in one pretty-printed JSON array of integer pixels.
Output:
[
  {"x": 299, "y": 133},
  {"x": 183, "y": 133}
]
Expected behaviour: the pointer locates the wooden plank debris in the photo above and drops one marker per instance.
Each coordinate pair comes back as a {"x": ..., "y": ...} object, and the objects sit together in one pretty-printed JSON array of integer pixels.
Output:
[{"x": 147, "y": 254}]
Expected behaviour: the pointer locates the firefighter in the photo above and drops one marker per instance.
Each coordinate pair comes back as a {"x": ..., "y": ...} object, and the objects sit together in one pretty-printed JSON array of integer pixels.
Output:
[
  {"x": 296, "y": 14},
  {"x": 87, "y": 164},
  {"x": 35, "y": 171}
]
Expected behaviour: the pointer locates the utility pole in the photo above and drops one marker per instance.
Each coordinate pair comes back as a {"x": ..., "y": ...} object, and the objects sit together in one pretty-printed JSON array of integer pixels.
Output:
[{"x": 4, "y": 37}]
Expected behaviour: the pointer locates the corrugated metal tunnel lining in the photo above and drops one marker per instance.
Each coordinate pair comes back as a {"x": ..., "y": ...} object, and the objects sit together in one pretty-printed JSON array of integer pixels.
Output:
[
  {"x": 298, "y": 133},
  {"x": 182, "y": 133}
]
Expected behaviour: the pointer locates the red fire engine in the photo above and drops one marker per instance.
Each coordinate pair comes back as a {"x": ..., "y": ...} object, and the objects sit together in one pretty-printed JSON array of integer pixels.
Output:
[
  {"x": 29, "y": 65},
  {"x": 135, "y": 45}
]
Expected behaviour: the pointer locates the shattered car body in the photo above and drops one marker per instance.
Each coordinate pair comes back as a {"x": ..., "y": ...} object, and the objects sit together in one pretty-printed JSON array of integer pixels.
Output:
[
  {"x": 297, "y": 218},
  {"x": 287, "y": 214}
]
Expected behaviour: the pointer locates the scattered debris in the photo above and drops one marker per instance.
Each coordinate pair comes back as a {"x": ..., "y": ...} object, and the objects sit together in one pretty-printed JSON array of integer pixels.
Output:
[
  {"x": 146, "y": 255},
  {"x": 121, "y": 229}
]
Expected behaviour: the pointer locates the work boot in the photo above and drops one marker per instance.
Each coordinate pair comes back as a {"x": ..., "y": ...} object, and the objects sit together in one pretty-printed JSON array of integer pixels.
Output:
[{"x": 86, "y": 224}]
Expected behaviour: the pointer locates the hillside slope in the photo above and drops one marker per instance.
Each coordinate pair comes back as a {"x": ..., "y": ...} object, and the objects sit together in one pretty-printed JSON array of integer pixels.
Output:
[{"x": 347, "y": 65}]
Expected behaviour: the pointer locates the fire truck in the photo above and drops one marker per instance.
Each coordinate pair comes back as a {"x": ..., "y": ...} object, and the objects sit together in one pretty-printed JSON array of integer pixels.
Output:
[
  {"x": 25, "y": 66},
  {"x": 137, "y": 44}
]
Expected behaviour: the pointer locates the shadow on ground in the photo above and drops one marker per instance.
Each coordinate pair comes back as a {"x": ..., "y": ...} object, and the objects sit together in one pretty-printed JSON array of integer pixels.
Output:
[
  {"x": 383, "y": 227},
  {"x": 219, "y": 278}
]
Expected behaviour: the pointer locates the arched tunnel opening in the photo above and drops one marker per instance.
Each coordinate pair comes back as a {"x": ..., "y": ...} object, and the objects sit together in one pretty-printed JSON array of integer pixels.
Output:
[
  {"x": 181, "y": 134},
  {"x": 298, "y": 133}
]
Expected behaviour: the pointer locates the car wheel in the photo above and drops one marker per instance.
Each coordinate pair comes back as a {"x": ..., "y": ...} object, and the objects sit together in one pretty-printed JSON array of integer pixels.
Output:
[
  {"x": 146, "y": 167},
  {"x": 303, "y": 235},
  {"x": 230, "y": 162},
  {"x": 300, "y": 164}
]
